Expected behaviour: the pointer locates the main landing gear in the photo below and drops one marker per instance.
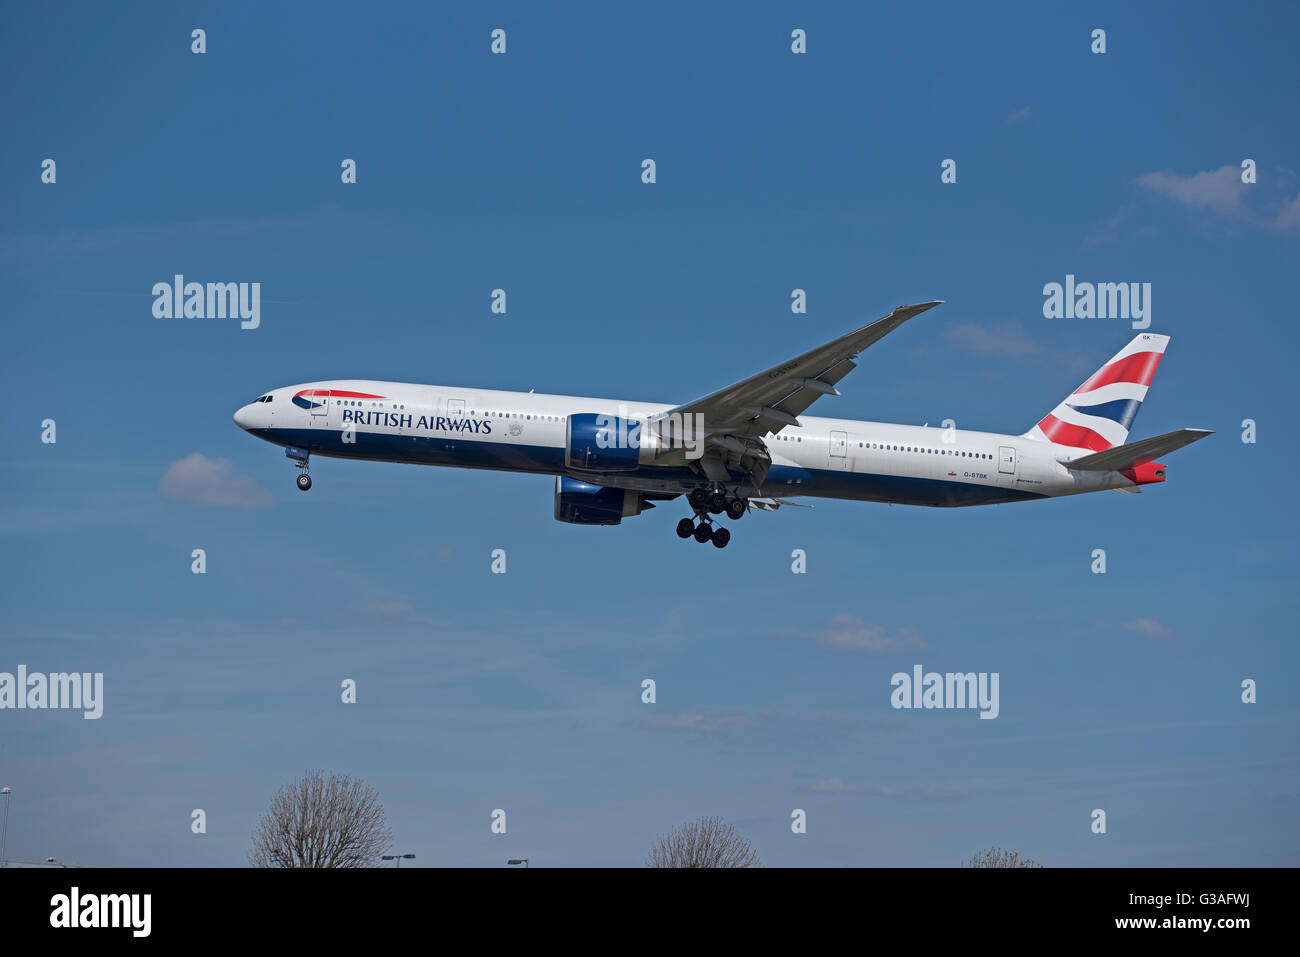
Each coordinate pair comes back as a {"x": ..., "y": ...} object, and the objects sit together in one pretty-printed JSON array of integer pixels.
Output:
[{"x": 711, "y": 501}]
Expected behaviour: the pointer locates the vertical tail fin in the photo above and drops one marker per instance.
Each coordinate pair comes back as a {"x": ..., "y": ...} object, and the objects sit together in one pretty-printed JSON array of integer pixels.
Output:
[{"x": 1099, "y": 414}]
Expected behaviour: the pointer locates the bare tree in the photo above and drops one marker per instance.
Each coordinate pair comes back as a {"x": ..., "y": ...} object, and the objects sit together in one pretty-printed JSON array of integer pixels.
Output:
[
  {"x": 1000, "y": 857},
  {"x": 708, "y": 842},
  {"x": 319, "y": 822}
]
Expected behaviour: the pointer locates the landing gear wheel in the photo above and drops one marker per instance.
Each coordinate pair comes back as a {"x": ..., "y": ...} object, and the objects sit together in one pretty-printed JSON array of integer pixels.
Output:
[
  {"x": 304, "y": 481},
  {"x": 704, "y": 532},
  {"x": 736, "y": 508},
  {"x": 685, "y": 528},
  {"x": 718, "y": 503},
  {"x": 720, "y": 537},
  {"x": 698, "y": 498}
]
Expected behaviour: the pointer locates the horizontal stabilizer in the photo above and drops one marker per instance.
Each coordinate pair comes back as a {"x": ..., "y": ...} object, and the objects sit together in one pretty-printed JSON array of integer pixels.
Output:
[{"x": 1137, "y": 453}]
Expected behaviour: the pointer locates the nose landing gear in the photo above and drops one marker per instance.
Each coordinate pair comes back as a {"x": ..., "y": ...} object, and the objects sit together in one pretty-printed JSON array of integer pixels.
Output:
[{"x": 300, "y": 457}]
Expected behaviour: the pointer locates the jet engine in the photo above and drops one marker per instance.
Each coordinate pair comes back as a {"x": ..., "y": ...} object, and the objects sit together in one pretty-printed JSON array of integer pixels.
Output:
[
  {"x": 602, "y": 443},
  {"x": 581, "y": 503}
]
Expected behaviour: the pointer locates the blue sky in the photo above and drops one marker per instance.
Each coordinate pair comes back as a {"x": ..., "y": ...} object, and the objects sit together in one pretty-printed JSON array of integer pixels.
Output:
[{"x": 775, "y": 171}]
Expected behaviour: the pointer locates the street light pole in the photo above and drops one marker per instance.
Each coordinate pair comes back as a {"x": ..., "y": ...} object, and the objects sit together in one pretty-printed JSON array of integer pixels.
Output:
[
  {"x": 397, "y": 857},
  {"x": 519, "y": 860},
  {"x": 4, "y": 831}
]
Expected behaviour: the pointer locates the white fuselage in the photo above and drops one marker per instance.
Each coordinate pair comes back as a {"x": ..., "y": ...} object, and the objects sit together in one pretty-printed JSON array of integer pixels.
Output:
[{"x": 526, "y": 432}]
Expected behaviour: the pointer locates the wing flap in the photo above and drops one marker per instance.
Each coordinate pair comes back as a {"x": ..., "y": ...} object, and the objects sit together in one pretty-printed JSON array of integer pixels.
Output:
[{"x": 772, "y": 504}]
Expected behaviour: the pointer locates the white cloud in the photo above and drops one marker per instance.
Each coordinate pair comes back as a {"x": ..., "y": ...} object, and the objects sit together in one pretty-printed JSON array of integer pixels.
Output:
[
  {"x": 1222, "y": 191},
  {"x": 851, "y": 633},
  {"x": 1289, "y": 218},
  {"x": 1007, "y": 339},
  {"x": 1149, "y": 628},
  {"x": 199, "y": 480},
  {"x": 1218, "y": 189},
  {"x": 942, "y": 792},
  {"x": 1019, "y": 116},
  {"x": 704, "y": 721},
  {"x": 386, "y": 608}
]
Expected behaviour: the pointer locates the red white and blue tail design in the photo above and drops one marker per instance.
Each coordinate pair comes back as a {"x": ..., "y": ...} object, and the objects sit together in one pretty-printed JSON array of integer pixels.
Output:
[{"x": 1099, "y": 414}]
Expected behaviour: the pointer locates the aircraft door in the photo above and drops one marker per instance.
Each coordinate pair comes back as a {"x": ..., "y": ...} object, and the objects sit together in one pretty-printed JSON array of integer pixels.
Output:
[
  {"x": 320, "y": 408},
  {"x": 839, "y": 451}
]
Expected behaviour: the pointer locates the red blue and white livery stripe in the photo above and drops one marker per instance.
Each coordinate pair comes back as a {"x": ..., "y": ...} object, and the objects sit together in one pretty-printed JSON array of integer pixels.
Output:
[{"x": 1099, "y": 414}]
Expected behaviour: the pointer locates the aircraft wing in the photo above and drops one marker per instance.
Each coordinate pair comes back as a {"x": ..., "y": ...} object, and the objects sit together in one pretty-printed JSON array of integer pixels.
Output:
[
  {"x": 773, "y": 399},
  {"x": 1136, "y": 453}
]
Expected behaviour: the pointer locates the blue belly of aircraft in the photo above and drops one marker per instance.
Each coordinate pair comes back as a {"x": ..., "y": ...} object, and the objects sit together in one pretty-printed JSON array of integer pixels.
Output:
[{"x": 783, "y": 481}]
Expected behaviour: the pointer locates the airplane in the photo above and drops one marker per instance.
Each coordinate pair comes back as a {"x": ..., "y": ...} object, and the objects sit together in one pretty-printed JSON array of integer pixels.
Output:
[{"x": 747, "y": 447}]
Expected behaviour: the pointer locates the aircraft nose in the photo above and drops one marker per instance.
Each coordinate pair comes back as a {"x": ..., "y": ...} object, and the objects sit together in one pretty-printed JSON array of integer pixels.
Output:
[{"x": 244, "y": 417}]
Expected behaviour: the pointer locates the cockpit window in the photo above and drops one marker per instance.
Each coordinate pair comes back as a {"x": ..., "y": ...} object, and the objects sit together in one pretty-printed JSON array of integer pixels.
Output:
[{"x": 263, "y": 398}]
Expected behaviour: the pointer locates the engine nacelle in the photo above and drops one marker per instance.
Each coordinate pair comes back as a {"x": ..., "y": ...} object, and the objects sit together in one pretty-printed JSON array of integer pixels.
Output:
[
  {"x": 581, "y": 503},
  {"x": 602, "y": 443}
]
